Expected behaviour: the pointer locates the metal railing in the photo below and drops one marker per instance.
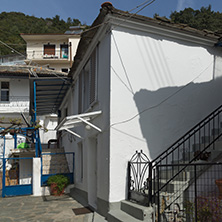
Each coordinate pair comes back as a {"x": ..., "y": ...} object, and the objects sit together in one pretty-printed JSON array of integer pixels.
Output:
[
  {"x": 39, "y": 54},
  {"x": 195, "y": 145},
  {"x": 57, "y": 163},
  {"x": 194, "y": 196}
]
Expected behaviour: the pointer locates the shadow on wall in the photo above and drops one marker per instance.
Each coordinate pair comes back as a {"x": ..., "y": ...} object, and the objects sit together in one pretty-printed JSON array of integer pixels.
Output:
[{"x": 165, "y": 121}]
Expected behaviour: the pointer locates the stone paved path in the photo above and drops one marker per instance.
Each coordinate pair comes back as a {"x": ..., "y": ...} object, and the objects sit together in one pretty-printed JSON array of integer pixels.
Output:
[{"x": 38, "y": 209}]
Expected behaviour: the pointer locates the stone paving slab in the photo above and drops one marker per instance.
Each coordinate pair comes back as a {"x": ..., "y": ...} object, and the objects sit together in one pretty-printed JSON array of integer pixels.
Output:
[{"x": 38, "y": 209}]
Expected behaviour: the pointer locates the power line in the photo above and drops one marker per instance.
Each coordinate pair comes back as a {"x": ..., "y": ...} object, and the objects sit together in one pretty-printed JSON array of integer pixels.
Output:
[
  {"x": 32, "y": 72},
  {"x": 147, "y": 2},
  {"x": 11, "y": 48},
  {"x": 124, "y": 68},
  {"x": 155, "y": 106}
]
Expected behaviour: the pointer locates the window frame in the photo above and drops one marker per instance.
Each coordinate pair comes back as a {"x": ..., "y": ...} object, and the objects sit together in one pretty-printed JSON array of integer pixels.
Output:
[
  {"x": 5, "y": 90},
  {"x": 47, "y": 45},
  {"x": 88, "y": 84}
]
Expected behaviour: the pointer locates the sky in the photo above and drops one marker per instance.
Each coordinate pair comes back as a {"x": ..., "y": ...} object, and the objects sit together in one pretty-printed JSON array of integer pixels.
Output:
[{"x": 87, "y": 10}]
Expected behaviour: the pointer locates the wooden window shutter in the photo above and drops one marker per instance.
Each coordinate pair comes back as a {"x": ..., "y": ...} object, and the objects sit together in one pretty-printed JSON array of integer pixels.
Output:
[{"x": 49, "y": 49}]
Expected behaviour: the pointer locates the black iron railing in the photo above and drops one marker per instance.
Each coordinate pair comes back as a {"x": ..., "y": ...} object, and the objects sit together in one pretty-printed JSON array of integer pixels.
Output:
[
  {"x": 195, "y": 196},
  {"x": 199, "y": 143},
  {"x": 138, "y": 178}
]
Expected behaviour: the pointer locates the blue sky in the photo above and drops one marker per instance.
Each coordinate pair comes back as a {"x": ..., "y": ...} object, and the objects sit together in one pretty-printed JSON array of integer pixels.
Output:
[{"x": 87, "y": 10}]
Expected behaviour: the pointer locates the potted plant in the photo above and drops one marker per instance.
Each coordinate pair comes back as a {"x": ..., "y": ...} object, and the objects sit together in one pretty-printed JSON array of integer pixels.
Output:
[{"x": 57, "y": 184}]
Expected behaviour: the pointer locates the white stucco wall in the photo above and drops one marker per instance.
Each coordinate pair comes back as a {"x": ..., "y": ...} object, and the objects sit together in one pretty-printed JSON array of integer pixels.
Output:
[
  {"x": 19, "y": 96},
  {"x": 47, "y": 131},
  {"x": 160, "y": 88},
  {"x": 95, "y": 154}
]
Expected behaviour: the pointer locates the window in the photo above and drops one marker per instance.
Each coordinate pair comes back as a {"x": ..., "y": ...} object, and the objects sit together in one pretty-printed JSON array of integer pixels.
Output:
[
  {"x": 4, "y": 91},
  {"x": 87, "y": 84},
  {"x": 64, "y": 51},
  {"x": 49, "y": 49}
]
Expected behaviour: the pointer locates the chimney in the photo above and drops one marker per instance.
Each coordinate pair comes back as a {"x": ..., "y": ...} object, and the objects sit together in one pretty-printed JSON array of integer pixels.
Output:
[{"x": 107, "y": 5}]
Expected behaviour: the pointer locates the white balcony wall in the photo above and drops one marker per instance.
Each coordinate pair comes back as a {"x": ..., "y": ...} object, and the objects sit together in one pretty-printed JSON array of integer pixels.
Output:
[
  {"x": 18, "y": 97},
  {"x": 35, "y": 49}
]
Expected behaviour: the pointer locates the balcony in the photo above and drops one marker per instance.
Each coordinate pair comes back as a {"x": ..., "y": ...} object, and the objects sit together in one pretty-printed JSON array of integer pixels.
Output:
[
  {"x": 15, "y": 104},
  {"x": 40, "y": 55}
]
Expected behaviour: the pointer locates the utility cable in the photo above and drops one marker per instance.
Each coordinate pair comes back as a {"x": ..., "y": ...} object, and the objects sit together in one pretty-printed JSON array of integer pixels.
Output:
[
  {"x": 11, "y": 48},
  {"x": 124, "y": 68},
  {"x": 31, "y": 71},
  {"x": 163, "y": 101},
  {"x": 147, "y": 2}
]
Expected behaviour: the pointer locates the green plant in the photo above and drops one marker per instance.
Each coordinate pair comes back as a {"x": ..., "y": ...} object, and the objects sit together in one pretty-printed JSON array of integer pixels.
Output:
[
  {"x": 60, "y": 180},
  {"x": 208, "y": 209}
]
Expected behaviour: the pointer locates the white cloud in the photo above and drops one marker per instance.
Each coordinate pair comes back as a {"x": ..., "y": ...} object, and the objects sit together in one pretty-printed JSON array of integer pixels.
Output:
[{"x": 181, "y": 4}]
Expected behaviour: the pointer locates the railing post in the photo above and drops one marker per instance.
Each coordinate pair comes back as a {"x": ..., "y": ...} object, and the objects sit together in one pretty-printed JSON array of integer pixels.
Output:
[
  {"x": 150, "y": 183},
  {"x": 129, "y": 179},
  {"x": 195, "y": 190},
  {"x": 3, "y": 177}
]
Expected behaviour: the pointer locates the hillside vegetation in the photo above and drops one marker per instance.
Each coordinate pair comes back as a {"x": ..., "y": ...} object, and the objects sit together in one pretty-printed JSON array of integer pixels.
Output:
[
  {"x": 14, "y": 23},
  {"x": 201, "y": 19}
]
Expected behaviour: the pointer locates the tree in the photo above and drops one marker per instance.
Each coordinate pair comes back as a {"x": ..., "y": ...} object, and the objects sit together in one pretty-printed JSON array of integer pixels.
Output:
[
  {"x": 14, "y": 23},
  {"x": 201, "y": 19}
]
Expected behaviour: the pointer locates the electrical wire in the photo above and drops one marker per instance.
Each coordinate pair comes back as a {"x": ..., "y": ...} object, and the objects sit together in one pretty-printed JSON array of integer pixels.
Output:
[
  {"x": 124, "y": 68},
  {"x": 163, "y": 101},
  {"x": 11, "y": 48},
  {"x": 31, "y": 61},
  {"x": 147, "y": 2}
]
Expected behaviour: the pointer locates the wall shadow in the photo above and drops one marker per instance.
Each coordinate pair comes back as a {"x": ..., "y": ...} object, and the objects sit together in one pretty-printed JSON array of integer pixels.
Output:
[{"x": 163, "y": 120}]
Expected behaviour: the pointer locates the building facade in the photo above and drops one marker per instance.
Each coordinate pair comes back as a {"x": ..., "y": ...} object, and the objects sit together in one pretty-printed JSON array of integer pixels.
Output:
[
  {"x": 54, "y": 51},
  {"x": 141, "y": 83}
]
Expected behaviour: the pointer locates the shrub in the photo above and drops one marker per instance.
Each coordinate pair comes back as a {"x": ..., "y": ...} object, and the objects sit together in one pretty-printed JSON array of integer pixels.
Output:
[{"x": 60, "y": 180}]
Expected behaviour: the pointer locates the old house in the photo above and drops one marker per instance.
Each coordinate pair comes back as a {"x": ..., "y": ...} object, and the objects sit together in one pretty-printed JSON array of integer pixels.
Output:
[{"x": 137, "y": 84}]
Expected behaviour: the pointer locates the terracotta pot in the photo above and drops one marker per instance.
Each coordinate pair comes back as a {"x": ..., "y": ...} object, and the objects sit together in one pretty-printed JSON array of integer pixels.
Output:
[
  {"x": 219, "y": 185},
  {"x": 55, "y": 191}
]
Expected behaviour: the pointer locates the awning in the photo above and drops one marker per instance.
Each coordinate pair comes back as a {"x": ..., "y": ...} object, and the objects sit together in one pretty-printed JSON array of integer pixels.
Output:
[
  {"x": 49, "y": 93},
  {"x": 70, "y": 122}
]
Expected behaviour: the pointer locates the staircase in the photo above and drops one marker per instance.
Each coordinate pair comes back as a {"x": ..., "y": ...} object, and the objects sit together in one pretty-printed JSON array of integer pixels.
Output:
[
  {"x": 166, "y": 180},
  {"x": 130, "y": 212},
  {"x": 54, "y": 161}
]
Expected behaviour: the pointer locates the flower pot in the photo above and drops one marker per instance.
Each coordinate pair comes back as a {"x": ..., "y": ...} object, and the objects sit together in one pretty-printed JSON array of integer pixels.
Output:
[
  {"x": 54, "y": 190},
  {"x": 219, "y": 185}
]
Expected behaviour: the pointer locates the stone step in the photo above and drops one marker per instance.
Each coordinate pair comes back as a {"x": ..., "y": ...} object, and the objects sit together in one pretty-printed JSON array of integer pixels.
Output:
[
  {"x": 120, "y": 216},
  {"x": 137, "y": 211}
]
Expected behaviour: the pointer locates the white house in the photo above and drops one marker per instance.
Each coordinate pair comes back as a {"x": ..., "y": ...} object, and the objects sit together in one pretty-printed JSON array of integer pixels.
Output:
[
  {"x": 15, "y": 97},
  {"x": 138, "y": 84},
  {"x": 54, "y": 51}
]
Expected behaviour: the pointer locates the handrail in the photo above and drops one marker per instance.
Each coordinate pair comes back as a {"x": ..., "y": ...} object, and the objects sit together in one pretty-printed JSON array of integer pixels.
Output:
[
  {"x": 177, "y": 151},
  {"x": 154, "y": 160}
]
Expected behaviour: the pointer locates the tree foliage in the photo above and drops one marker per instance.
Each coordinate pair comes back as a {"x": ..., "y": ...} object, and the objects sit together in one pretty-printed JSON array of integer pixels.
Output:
[
  {"x": 14, "y": 23},
  {"x": 201, "y": 19}
]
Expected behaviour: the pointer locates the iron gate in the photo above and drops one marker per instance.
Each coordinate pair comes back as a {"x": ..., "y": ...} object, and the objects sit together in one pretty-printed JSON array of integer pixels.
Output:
[{"x": 16, "y": 176}]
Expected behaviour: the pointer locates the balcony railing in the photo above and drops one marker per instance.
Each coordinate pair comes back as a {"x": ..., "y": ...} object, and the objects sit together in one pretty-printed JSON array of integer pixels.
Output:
[
  {"x": 15, "y": 101},
  {"x": 33, "y": 54}
]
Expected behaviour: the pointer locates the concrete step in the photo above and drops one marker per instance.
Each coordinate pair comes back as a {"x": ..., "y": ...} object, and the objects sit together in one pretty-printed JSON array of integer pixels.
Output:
[
  {"x": 120, "y": 216},
  {"x": 137, "y": 211}
]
